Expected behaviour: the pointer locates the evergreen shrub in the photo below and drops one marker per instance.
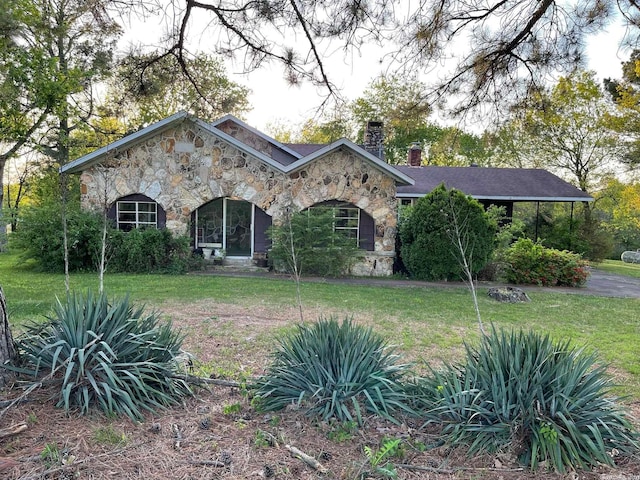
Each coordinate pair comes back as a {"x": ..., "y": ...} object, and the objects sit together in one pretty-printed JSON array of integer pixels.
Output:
[
  {"x": 430, "y": 248},
  {"x": 309, "y": 237},
  {"x": 149, "y": 250},
  {"x": 40, "y": 237}
]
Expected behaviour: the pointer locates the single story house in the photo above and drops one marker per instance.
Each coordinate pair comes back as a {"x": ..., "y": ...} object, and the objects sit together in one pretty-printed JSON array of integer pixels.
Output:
[{"x": 225, "y": 183}]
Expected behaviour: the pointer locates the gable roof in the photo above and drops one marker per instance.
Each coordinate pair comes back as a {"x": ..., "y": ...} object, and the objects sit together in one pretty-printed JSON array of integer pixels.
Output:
[
  {"x": 284, "y": 159},
  {"x": 486, "y": 183}
]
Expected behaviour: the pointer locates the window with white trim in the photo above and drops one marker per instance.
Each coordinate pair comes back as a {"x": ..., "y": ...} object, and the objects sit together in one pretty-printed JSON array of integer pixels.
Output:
[
  {"x": 346, "y": 220},
  {"x": 132, "y": 214}
]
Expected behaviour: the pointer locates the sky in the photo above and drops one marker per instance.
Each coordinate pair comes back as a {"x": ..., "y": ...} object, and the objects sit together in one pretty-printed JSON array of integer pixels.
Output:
[{"x": 274, "y": 101}]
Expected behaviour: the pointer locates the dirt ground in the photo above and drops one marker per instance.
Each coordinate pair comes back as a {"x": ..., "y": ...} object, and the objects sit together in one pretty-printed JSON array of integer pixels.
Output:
[{"x": 217, "y": 434}]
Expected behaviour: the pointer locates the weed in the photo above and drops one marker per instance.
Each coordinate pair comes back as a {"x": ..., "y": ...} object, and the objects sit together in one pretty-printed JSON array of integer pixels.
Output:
[
  {"x": 50, "y": 455},
  {"x": 343, "y": 431},
  {"x": 109, "y": 436},
  {"x": 379, "y": 459},
  {"x": 232, "y": 409},
  {"x": 274, "y": 421},
  {"x": 266, "y": 439}
]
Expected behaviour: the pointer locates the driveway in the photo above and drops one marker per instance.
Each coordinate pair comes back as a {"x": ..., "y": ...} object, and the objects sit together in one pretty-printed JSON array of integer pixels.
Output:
[
  {"x": 605, "y": 284},
  {"x": 601, "y": 284}
]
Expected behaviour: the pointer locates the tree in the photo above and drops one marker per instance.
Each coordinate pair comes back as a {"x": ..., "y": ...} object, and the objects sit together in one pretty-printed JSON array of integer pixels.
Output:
[
  {"x": 7, "y": 348},
  {"x": 455, "y": 147},
  {"x": 150, "y": 87},
  {"x": 508, "y": 48},
  {"x": 78, "y": 39},
  {"x": 27, "y": 92},
  {"x": 619, "y": 205},
  {"x": 446, "y": 236},
  {"x": 402, "y": 107},
  {"x": 570, "y": 126},
  {"x": 328, "y": 128},
  {"x": 626, "y": 94}
]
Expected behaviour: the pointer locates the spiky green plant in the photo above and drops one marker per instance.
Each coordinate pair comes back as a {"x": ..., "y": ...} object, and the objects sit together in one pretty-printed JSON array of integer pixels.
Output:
[
  {"x": 545, "y": 401},
  {"x": 109, "y": 355},
  {"x": 334, "y": 370}
]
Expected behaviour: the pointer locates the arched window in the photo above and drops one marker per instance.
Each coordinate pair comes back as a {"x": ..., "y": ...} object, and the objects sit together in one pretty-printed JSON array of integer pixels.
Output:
[
  {"x": 137, "y": 211},
  {"x": 351, "y": 221}
]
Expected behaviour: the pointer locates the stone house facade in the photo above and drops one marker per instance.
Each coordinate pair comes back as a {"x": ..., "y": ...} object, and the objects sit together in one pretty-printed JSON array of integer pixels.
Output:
[{"x": 225, "y": 183}]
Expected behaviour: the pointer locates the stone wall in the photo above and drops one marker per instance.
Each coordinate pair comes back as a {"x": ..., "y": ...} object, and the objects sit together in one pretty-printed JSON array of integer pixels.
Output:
[{"x": 184, "y": 168}]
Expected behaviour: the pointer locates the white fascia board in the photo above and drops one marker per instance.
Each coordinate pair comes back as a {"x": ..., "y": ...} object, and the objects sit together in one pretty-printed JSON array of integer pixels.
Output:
[
  {"x": 139, "y": 136},
  {"x": 343, "y": 142},
  {"x": 239, "y": 145},
  {"x": 257, "y": 132},
  {"x": 511, "y": 198},
  {"x": 128, "y": 141}
]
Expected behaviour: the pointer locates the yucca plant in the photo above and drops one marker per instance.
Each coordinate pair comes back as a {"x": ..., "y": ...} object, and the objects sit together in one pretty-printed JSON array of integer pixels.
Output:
[
  {"x": 334, "y": 370},
  {"x": 109, "y": 355},
  {"x": 545, "y": 401}
]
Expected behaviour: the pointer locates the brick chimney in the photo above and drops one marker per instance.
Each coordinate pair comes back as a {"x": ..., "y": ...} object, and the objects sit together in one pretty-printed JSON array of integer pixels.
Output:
[
  {"x": 415, "y": 155},
  {"x": 374, "y": 139}
]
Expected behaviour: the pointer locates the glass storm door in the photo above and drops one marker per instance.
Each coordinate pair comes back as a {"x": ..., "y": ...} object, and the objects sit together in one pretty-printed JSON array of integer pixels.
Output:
[{"x": 238, "y": 228}]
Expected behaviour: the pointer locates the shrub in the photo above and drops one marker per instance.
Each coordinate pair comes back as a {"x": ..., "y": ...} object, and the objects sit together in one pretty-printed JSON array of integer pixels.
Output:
[
  {"x": 109, "y": 355},
  {"x": 149, "y": 250},
  {"x": 531, "y": 263},
  {"x": 40, "y": 237},
  {"x": 544, "y": 401},
  {"x": 334, "y": 371},
  {"x": 310, "y": 238},
  {"x": 429, "y": 242}
]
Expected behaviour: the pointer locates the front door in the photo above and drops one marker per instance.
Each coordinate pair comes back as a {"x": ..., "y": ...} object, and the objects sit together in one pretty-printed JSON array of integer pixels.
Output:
[{"x": 238, "y": 228}]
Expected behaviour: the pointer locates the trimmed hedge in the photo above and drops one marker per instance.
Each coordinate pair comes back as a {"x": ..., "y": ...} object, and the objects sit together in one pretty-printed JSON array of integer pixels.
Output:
[{"x": 530, "y": 262}]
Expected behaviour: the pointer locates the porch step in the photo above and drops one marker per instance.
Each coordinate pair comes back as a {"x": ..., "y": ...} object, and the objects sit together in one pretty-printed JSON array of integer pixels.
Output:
[
  {"x": 234, "y": 264},
  {"x": 237, "y": 262}
]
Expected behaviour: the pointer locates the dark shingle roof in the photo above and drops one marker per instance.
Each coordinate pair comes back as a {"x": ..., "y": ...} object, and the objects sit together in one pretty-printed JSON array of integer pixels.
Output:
[
  {"x": 514, "y": 184},
  {"x": 305, "y": 149}
]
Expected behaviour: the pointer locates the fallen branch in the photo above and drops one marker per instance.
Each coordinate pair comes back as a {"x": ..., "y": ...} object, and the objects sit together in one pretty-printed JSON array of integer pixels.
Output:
[
  {"x": 206, "y": 463},
  {"x": 9, "y": 403},
  {"x": 13, "y": 430},
  {"x": 449, "y": 471},
  {"x": 312, "y": 462},
  {"x": 208, "y": 381},
  {"x": 419, "y": 468},
  {"x": 21, "y": 398}
]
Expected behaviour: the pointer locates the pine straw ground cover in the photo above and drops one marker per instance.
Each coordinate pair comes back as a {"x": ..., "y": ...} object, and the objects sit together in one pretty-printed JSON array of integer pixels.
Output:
[{"x": 217, "y": 434}]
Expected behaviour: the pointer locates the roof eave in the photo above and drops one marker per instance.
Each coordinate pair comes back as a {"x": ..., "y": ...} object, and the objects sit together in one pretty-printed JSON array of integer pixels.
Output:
[
  {"x": 132, "y": 139},
  {"x": 509, "y": 198},
  {"x": 257, "y": 132},
  {"x": 398, "y": 176},
  {"x": 239, "y": 145}
]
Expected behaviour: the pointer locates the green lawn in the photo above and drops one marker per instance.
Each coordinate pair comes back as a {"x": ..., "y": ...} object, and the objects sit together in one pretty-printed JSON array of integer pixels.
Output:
[
  {"x": 619, "y": 267},
  {"x": 433, "y": 320}
]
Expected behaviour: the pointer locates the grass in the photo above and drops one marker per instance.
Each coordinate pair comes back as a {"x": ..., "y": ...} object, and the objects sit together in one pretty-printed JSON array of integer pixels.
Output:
[
  {"x": 428, "y": 321},
  {"x": 619, "y": 267}
]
